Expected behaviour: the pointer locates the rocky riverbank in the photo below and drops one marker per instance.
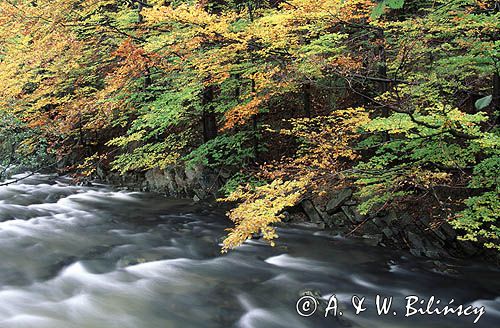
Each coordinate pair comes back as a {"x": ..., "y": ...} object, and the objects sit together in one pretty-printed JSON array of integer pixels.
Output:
[{"x": 421, "y": 236}]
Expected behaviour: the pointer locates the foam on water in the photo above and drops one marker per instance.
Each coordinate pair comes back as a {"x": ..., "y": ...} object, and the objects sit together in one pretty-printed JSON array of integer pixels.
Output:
[{"x": 92, "y": 257}]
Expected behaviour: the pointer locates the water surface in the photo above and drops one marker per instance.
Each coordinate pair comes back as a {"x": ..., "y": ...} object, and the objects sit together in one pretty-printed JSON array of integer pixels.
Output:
[{"x": 94, "y": 257}]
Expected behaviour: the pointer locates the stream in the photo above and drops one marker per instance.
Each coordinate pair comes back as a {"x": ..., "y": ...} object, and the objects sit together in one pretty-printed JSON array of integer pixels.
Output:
[{"x": 94, "y": 257}]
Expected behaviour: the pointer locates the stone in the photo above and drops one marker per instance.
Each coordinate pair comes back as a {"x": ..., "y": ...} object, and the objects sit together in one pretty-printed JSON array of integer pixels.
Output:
[
  {"x": 210, "y": 183},
  {"x": 338, "y": 200},
  {"x": 439, "y": 234},
  {"x": 200, "y": 193},
  {"x": 161, "y": 181},
  {"x": 415, "y": 252},
  {"x": 382, "y": 213},
  {"x": 336, "y": 220},
  {"x": 322, "y": 213},
  {"x": 378, "y": 222},
  {"x": 372, "y": 240},
  {"x": 387, "y": 232},
  {"x": 390, "y": 218},
  {"x": 468, "y": 248},
  {"x": 225, "y": 174},
  {"x": 181, "y": 180},
  {"x": 423, "y": 247},
  {"x": 191, "y": 173},
  {"x": 432, "y": 254},
  {"x": 310, "y": 210},
  {"x": 448, "y": 231},
  {"x": 423, "y": 223},
  {"x": 170, "y": 182},
  {"x": 321, "y": 225},
  {"x": 286, "y": 217},
  {"x": 405, "y": 220},
  {"x": 350, "y": 202},
  {"x": 444, "y": 268},
  {"x": 352, "y": 214},
  {"x": 370, "y": 228},
  {"x": 415, "y": 241}
]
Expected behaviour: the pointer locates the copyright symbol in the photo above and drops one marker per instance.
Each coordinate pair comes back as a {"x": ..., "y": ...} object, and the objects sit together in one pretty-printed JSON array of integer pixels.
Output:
[{"x": 306, "y": 306}]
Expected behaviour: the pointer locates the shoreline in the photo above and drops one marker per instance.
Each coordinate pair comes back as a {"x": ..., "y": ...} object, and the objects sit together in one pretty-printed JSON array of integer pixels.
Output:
[{"x": 338, "y": 216}]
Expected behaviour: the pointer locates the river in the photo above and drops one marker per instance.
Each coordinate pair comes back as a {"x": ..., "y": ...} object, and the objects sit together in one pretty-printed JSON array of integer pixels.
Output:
[{"x": 95, "y": 257}]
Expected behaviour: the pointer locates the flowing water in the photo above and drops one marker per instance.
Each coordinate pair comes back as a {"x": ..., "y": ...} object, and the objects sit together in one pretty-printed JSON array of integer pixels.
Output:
[{"x": 94, "y": 257}]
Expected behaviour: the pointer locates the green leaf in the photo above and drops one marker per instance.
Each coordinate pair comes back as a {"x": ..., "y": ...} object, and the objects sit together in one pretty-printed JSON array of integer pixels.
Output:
[
  {"x": 379, "y": 8},
  {"x": 394, "y": 4},
  {"x": 483, "y": 102}
]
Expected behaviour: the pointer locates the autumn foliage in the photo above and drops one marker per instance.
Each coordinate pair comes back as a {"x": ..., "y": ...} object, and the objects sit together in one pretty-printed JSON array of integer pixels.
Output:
[{"x": 294, "y": 98}]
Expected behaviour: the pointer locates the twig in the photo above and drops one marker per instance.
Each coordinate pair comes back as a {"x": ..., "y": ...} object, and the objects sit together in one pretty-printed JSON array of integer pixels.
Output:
[{"x": 26, "y": 176}]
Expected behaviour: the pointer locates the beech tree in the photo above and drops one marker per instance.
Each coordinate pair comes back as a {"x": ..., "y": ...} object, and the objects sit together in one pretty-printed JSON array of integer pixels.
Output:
[{"x": 294, "y": 98}]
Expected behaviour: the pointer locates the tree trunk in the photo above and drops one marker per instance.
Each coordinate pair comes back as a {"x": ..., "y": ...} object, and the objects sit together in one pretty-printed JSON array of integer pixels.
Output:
[
  {"x": 496, "y": 91},
  {"x": 209, "y": 118},
  {"x": 140, "y": 6},
  {"x": 147, "y": 79},
  {"x": 307, "y": 99},
  {"x": 382, "y": 71},
  {"x": 255, "y": 130}
]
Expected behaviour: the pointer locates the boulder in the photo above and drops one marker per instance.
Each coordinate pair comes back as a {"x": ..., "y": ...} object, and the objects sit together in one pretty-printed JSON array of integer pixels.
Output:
[
  {"x": 372, "y": 240},
  {"x": 352, "y": 214},
  {"x": 378, "y": 222},
  {"x": 338, "y": 200},
  {"x": 416, "y": 243},
  {"x": 310, "y": 210},
  {"x": 468, "y": 248},
  {"x": 192, "y": 174},
  {"x": 161, "y": 181},
  {"x": 181, "y": 180},
  {"x": 336, "y": 220},
  {"x": 391, "y": 218},
  {"x": 370, "y": 228},
  {"x": 420, "y": 246},
  {"x": 405, "y": 220},
  {"x": 387, "y": 232},
  {"x": 448, "y": 232}
]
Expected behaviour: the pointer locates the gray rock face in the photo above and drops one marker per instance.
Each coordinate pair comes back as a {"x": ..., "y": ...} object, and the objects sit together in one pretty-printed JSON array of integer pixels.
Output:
[
  {"x": 195, "y": 182},
  {"x": 373, "y": 240},
  {"x": 337, "y": 220},
  {"x": 387, "y": 232},
  {"x": 310, "y": 210},
  {"x": 415, "y": 241},
  {"x": 387, "y": 228},
  {"x": 448, "y": 232},
  {"x": 391, "y": 218},
  {"x": 352, "y": 214},
  {"x": 338, "y": 200},
  {"x": 423, "y": 246},
  {"x": 162, "y": 180}
]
